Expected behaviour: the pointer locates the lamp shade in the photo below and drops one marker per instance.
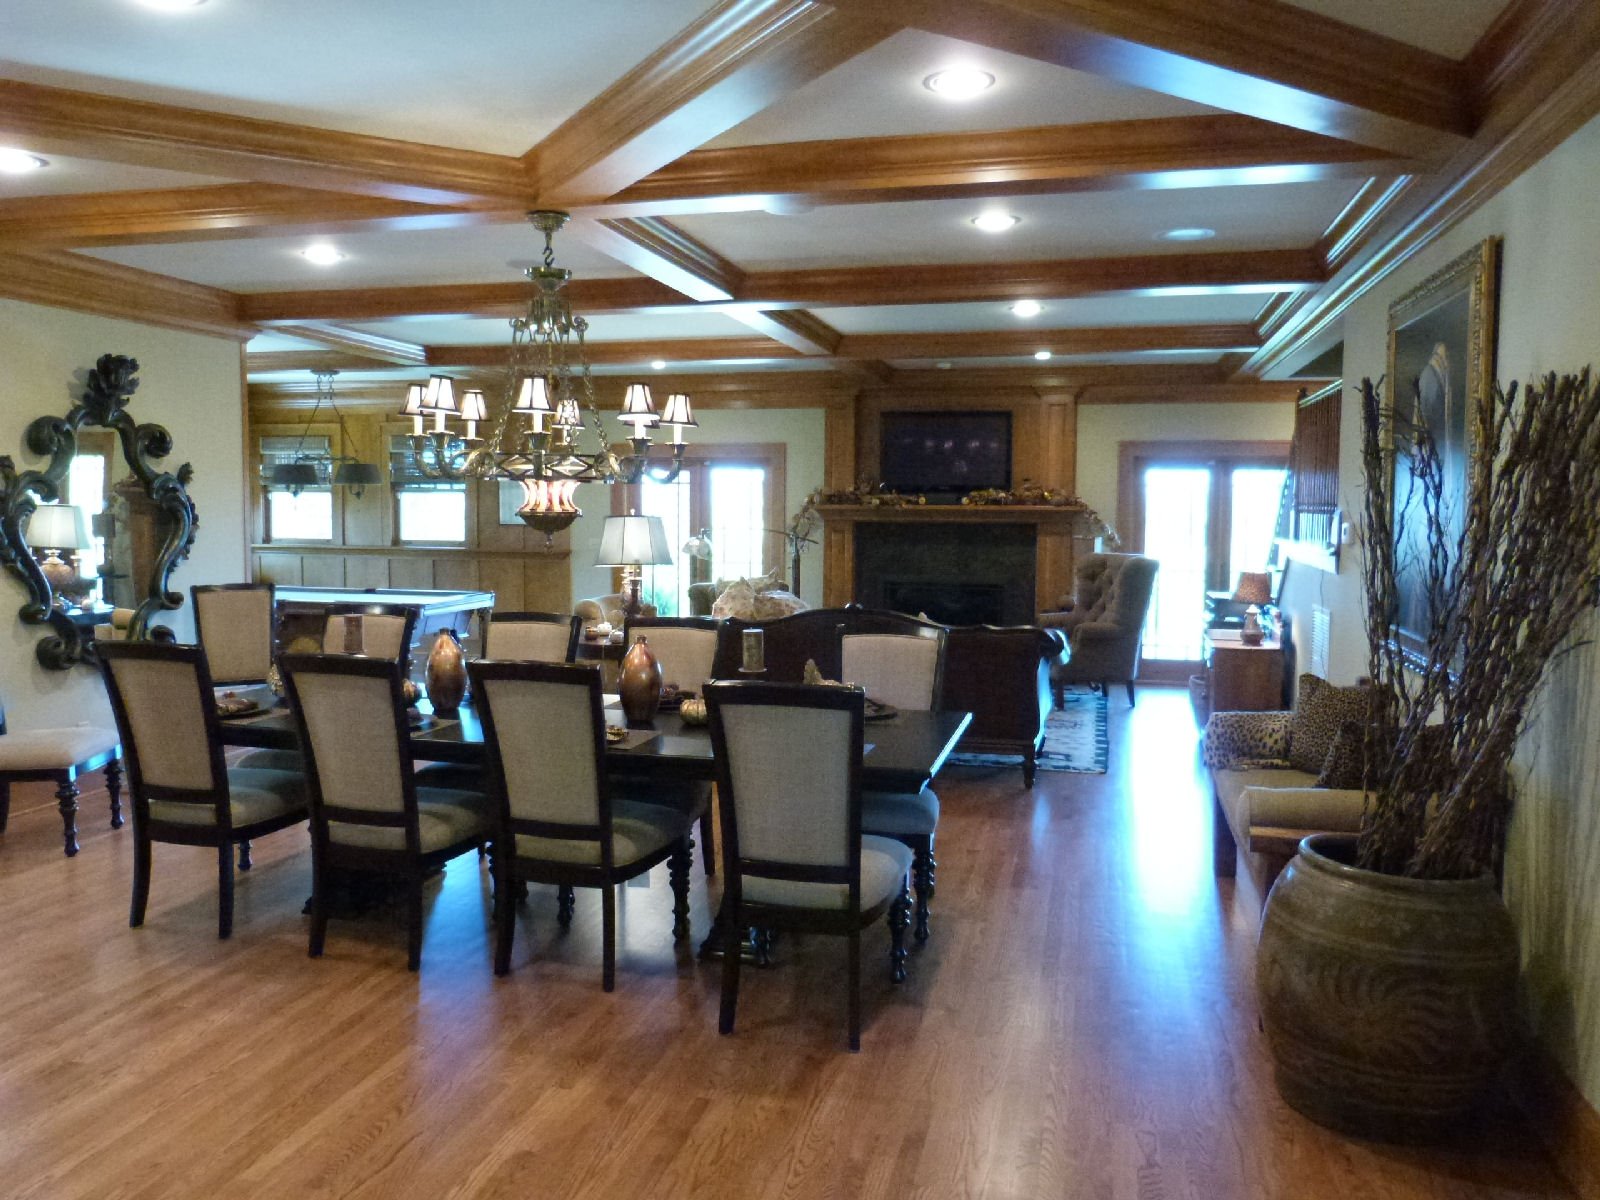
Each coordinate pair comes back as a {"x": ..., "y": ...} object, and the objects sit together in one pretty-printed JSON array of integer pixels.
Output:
[
  {"x": 1255, "y": 587},
  {"x": 413, "y": 405},
  {"x": 638, "y": 407},
  {"x": 440, "y": 395},
  {"x": 58, "y": 527},
  {"x": 633, "y": 542},
  {"x": 356, "y": 474},
  {"x": 294, "y": 476},
  {"x": 532, "y": 395},
  {"x": 473, "y": 407},
  {"x": 677, "y": 410}
]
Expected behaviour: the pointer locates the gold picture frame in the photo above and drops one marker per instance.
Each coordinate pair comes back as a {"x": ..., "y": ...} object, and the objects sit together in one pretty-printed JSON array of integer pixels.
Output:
[{"x": 1440, "y": 368}]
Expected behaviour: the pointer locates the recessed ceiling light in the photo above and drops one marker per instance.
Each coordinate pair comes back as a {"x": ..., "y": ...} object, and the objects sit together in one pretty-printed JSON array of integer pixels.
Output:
[
  {"x": 170, "y": 5},
  {"x": 659, "y": 364},
  {"x": 1189, "y": 235},
  {"x": 1027, "y": 308},
  {"x": 19, "y": 162},
  {"x": 322, "y": 254},
  {"x": 995, "y": 221},
  {"x": 1042, "y": 355},
  {"x": 958, "y": 83}
]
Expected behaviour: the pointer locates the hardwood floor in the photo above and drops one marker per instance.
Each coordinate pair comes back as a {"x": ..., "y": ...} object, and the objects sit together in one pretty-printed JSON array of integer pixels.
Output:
[{"x": 1081, "y": 1025}]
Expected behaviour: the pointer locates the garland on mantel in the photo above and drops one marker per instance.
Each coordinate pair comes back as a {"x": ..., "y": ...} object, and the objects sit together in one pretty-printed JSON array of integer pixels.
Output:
[{"x": 869, "y": 494}]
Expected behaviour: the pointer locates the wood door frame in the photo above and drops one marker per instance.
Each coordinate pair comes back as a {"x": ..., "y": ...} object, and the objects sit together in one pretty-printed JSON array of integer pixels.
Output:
[{"x": 1132, "y": 459}]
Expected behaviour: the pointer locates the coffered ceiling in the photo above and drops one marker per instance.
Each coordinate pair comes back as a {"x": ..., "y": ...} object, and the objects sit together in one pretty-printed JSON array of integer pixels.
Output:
[{"x": 767, "y": 185}]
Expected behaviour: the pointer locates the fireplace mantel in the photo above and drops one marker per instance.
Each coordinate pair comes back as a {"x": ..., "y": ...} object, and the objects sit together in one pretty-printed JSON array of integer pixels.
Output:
[{"x": 1055, "y": 527}]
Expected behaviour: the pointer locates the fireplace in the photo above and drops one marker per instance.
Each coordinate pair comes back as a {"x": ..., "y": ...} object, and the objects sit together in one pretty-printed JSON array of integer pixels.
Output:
[{"x": 956, "y": 573}]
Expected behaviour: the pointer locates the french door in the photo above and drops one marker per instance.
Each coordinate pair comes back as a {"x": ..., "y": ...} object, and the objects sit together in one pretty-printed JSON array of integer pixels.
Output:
[{"x": 1205, "y": 511}]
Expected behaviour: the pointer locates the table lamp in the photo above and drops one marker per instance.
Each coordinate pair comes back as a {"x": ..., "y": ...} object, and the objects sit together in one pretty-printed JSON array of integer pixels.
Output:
[
  {"x": 58, "y": 528},
  {"x": 633, "y": 542}
]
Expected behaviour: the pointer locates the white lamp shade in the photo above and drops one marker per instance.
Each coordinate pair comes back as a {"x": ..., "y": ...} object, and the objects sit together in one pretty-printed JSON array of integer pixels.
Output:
[
  {"x": 533, "y": 396},
  {"x": 473, "y": 407},
  {"x": 57, "y": 527},
  {"x": 638, "y": 407},
  {"x": 677, "y": 410},
  {"x": 633, "y": 542},
  {"x": 413, "y": 405},
  {"x": 440, "y": 396}
]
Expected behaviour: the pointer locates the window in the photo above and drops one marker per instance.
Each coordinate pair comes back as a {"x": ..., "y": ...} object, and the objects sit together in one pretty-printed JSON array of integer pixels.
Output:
[
  {"x": 308, "y": 516},
  {"x": 430, "y": 511}
]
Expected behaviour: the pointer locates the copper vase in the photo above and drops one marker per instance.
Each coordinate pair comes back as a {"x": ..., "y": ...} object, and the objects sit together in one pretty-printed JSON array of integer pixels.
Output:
[
  {"x": 447, "y": 674},
  {"x": 640, "y": 684}
]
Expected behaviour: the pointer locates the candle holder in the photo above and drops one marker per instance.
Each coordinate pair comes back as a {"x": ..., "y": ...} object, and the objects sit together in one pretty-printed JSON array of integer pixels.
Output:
[{"x": 752, "y": 646}]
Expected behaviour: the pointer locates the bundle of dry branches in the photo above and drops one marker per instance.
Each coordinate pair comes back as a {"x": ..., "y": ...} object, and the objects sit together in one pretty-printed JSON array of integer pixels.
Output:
[{"x": 1506, "y": 578}]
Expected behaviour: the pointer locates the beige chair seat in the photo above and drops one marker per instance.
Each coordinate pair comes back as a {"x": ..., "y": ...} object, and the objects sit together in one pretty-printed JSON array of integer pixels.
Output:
[
  {"x": 444, "y": 818},
  {"x": 54, "y": 749},
  {"x": 254, "y": 796},
  {"x": 900, "y": 814},
  {"x": 884, "y": 863},
  {"x": 637, "y": 831}
]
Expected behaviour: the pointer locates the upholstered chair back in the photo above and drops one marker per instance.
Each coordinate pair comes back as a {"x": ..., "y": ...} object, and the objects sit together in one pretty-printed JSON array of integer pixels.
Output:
[
  {"x": 893, "y": 668},
  {"x": 386, "y": 630},
  {"x": 544, "y": 731},
  {"x": 686, "y": 648},
  {"x": 358, "y": 757},
  {"x": 234, "y": 622},
  {"x": 531, "y": 637},
  {"x": 1114, "y": 589},
  {"x": 789, "y": 763},
  {"x": 166, "y": 715}
]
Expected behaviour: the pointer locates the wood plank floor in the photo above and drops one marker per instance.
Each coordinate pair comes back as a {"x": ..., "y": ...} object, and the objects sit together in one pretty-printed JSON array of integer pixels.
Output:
[{"x": 1081, "y": 1025}]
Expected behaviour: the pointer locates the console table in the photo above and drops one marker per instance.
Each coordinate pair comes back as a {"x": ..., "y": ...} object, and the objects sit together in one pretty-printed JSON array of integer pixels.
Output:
[{"x": 1242, "y": 678}]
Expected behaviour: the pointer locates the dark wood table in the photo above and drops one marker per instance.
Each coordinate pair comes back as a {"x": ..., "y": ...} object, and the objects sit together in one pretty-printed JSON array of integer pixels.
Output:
[{"x": 903, "y": 753}]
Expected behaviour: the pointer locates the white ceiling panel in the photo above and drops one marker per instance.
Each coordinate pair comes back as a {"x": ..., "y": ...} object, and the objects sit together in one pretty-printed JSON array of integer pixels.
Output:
[
  {"x": 1056, "y": 314},
  {"x": 493, "y": 75},
  {"x": 1082, "y": 225},
  {"x": 389, "y": 258},
  {"x": 1447, "y": 27},
  {"x": 270, "y": 342},
  {"x": 603, "y": 327},
  {"x": 68, "y": 176},
  {"x": 880, "y": 94},
  {"x": 1185, "y": 358}
]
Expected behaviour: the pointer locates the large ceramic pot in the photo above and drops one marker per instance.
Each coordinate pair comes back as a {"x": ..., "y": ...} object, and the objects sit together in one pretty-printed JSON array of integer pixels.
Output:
[
  {"x": 640, "y": 683},
  {"x": 446, "y": 674},
  {"x": 1388, "y": 1002}
]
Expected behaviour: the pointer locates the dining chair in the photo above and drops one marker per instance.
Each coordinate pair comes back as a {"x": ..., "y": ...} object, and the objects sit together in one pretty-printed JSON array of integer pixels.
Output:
[
  {"x": 237, "y": 625},
  {"x": 368, "y": 813},
  {"x": 561, "y": 819},
  {"x": 906, "y": 671},
  {"x": 387, "y": 630},
  {"x": 181, "y": 790},
  {"x": 794, "y": 856},
  {"x": 686, "y": 648},
  {"x": 532, "y": 636},
  {"x": 59, "y": 756}
]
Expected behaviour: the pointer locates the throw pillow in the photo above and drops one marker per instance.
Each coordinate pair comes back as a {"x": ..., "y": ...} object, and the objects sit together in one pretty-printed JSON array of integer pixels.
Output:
[
  {"x": 1346, "y": 761},
  {"x": 1321, "y": 709}
]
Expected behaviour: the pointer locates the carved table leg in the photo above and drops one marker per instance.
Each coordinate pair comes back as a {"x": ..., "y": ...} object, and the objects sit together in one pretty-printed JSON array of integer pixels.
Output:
[
  {"x": 67, "y": 802},
  {"x": 922, "y": 869},
  {"x": 244, "y": 855},
  {"x": 678, "y": 873},
  {"x": 899, "y": 918},
  {"x": 565, "y": 901},
  {"x": 114, "y": 790}
]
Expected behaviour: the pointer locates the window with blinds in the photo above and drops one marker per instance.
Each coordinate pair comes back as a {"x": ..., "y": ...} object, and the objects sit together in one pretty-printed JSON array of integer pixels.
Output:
[
  {"x": 429, "y": 511},
  {"x": 307, "y": 517}
]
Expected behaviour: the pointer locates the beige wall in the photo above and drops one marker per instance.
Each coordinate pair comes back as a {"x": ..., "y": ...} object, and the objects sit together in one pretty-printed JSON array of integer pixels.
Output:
[
  {"x": 1549, "y": 321},
  {"x": 1102, "y": 428},
  {"x": 190, "y": 384}
]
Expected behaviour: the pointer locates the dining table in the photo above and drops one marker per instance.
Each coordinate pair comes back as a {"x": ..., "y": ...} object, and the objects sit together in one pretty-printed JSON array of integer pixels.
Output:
[{"x": 902, "y": 751}]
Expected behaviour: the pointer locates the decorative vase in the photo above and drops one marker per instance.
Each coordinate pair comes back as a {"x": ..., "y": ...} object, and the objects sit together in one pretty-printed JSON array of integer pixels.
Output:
[
  {"x": 447, "y": 674},
  {"x": 1252, "y": 634},
  {"x": 640, "y": 684},
  {"x": 1387, "y": 1001}
]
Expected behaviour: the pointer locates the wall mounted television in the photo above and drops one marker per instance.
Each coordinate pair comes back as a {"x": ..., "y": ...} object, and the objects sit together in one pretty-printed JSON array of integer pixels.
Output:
[{"x": 945, "y": 453}]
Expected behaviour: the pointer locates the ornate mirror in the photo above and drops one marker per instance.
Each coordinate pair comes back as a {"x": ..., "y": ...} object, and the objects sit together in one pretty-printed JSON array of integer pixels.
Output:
[{"x": 134, "y": 529}]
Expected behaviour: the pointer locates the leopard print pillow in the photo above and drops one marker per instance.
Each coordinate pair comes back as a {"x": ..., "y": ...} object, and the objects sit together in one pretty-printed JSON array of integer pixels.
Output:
[
  {"x": 1345, "y": 765},
  {"x": 1319, "y": 712},
  {"x": 1242, "y": 741}
]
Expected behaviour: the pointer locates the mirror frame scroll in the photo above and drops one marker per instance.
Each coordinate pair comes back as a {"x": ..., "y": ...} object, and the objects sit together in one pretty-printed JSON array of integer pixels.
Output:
[{"x": 104, "y": 403}]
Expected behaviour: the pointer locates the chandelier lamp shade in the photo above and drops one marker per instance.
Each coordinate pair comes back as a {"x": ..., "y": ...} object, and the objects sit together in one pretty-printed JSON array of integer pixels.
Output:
[
  {"x": 544, "y": 431},
  {"x": 307, "y": 470}
]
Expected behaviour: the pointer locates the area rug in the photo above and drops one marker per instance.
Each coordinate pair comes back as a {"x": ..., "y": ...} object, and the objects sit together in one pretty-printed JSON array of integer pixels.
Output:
[{"x": 1074, "y": 739}]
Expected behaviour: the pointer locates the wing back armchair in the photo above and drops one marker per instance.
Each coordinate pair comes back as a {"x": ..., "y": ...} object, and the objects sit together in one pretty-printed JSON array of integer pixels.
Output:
[{"x": 1104, "y": 620}]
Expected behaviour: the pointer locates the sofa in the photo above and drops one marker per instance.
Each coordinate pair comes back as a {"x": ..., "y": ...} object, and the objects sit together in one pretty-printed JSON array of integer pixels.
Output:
[
  {"x": 1103, "y": 621},
  {"x": 1267, "y": 795}
]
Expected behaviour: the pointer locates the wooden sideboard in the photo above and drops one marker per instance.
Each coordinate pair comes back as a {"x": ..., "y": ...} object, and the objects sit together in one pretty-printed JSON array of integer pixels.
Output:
[{"x": 1242, "y": 678}]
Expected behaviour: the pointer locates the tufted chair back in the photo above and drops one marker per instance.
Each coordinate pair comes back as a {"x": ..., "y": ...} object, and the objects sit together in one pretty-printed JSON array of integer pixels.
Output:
[{"x": 1104, "y": 619}]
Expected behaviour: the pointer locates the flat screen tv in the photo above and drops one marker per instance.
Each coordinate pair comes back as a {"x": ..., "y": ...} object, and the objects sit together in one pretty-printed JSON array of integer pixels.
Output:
[{"x": 943, "y": 453}]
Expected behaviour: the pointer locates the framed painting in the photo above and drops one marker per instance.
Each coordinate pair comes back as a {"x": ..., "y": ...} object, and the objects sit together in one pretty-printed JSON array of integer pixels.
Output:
[{"x": 1440, "y": 368}]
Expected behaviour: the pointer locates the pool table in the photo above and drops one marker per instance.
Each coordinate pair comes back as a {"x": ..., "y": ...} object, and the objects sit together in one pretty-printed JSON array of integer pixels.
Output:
[{"x": 302, "y": 611}]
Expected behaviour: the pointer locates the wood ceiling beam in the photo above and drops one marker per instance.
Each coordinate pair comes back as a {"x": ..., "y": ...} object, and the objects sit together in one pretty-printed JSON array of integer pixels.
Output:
[
  {"x": 366, "y": 347},
  {"x": 60, "y": 279},
  {"x": 1062, "y": 377},
  {"x": 58, "y": 120},
  {"x": 665, "y": 253},
  {"x": 801, "y": 331},
  {"x": 731, "y": 63},
  {"x": 830, "y": 287},
  {"x": 1215, "y": 150},
  {"x": 1119, "y": 339},
  {"x": 638, "y": 354},
  {"x": 1261, "y": 58},
  {"x": 214, "y": 213}
]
